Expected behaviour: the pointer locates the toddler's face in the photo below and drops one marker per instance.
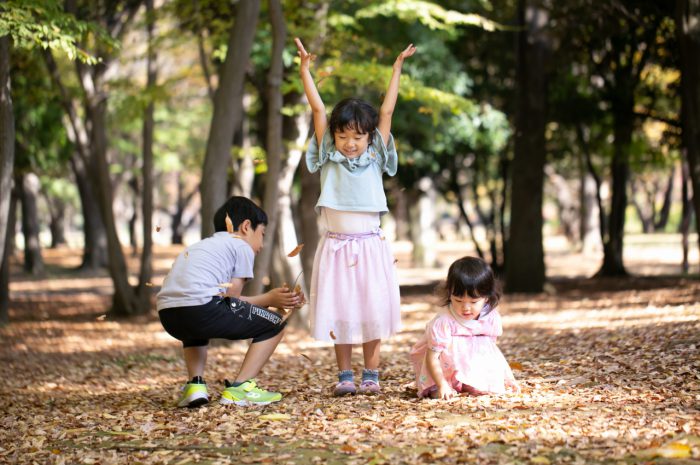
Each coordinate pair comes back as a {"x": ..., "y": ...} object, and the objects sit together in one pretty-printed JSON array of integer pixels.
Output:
[
  {"x": 351, "y": 143},
  {"x": 466, "y": 306}
]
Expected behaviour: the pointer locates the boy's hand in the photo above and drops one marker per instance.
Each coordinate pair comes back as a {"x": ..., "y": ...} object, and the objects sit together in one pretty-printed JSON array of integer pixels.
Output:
[
  {"x": 409, "y": 51},
  {"x": 305, "y": 57},
  {"x": 283, "y": 297}
]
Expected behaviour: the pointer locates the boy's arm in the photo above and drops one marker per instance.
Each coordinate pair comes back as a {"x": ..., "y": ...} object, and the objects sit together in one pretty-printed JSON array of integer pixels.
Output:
[
  {"x": 279, "y": 297},
  {"x": 317, "y": 108},
  {"x": 432, "y": 362},
  {"x": 387, "y": 109},
  {"x": 234, "y": 290}
]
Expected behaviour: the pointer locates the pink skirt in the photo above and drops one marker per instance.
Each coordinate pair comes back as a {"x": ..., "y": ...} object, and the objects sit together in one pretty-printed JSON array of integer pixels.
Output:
[{"x": 354, "y": 289}]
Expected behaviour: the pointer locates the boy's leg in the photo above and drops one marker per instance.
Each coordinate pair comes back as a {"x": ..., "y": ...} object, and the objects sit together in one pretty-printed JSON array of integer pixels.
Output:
[
  {"x": 195, "y": 360},
  {"x": 258, "y": 354}
]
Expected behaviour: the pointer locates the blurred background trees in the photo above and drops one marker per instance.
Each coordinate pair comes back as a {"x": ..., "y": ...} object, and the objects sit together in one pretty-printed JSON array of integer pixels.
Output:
[{"x": 128, "y": 122}]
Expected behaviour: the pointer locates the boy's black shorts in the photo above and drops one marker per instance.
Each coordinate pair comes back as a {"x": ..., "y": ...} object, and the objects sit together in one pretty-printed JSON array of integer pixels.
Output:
[{"x": 220, "y": 318}]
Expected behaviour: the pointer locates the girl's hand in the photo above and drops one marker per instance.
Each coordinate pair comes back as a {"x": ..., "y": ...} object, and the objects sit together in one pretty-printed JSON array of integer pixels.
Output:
[
  {"x": 410, "y": 50},
  {"x": 445, "y": 391},
  {"x": 305, "y": 56}
]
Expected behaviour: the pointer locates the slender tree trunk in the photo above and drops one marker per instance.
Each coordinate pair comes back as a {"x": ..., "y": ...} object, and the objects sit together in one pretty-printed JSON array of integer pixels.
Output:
[
  {"x": 95, "y": 243},
  {"x": 274, "y": 146},
  {"x": 422, "y": 219},
  {"x": 57, "y": 221},
  {"x": 7, "y": 139},
  {"x": 623, "y": 128},
  {"x": 227, "y": 112},
  {"x": 686, "y": 213},
  {"x": 665, "y": 210},
  {"x": 29, "y": 188},
  {"x": 7, "y": 254},
  {"x": 143, "y": 291},
  {"x": 688, "y": 33},
  {"x": 525, "y": 271}
]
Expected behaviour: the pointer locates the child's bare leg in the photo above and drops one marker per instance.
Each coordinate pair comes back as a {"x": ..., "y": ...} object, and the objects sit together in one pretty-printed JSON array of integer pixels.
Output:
[
  {"x": 195, "y": 360},
  {"x": 258, "y": 354},
  {"x": 370, "y": 350},
  {"x": 343, "y": 355}
]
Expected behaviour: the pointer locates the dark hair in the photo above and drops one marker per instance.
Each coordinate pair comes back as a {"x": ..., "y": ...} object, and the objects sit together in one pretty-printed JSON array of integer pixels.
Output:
[
  {"x": 353, "y": 113},
  {"x": 239, "y": 209},
  {"x": 471, "y": 276}
]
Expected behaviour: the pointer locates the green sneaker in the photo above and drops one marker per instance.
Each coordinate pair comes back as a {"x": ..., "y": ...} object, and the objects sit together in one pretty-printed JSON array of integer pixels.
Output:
[
  {"x": 194, "y": 393},
  {"x": 247, "y": 394}
]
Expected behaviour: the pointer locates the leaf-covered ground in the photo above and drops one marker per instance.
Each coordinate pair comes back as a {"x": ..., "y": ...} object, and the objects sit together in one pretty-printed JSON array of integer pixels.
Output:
[{"x": 610, "y": 371}]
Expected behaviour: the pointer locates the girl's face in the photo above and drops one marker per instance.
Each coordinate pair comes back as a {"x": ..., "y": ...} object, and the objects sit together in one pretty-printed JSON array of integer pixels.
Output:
[
  {"x": 351, "y": 143},
  {"x": 466, "y": 306}
]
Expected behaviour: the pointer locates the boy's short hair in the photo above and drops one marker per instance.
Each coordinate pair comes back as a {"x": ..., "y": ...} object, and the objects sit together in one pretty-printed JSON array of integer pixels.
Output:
[{"x": 239, "y": 209}]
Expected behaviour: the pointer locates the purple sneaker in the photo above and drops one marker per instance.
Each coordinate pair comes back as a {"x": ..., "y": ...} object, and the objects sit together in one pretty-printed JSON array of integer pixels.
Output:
[
  {"x": 344, "y": 388},
  {"x": 369, "y": 387}
]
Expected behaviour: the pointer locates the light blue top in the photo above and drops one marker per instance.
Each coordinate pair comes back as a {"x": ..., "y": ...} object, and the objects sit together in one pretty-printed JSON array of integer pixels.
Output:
[{"x": 352, "y": 184}]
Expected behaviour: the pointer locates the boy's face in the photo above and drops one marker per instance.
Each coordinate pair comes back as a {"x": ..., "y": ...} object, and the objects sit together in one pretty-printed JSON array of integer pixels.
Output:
[
  {"x": 351, "y": 143},
  {"x": 254, "y": 237}
]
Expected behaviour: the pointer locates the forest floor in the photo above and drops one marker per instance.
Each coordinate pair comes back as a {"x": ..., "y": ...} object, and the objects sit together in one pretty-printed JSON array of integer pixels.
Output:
[{"x": 609, "y": 369}]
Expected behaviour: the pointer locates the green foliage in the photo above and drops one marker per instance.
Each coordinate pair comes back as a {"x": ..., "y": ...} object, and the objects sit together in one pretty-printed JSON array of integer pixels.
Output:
[{"x": 43, "y": 24}]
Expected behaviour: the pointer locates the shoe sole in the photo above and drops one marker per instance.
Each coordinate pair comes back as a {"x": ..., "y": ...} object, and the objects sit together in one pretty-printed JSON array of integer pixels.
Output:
[
  {"x": 243, "y": 403},
  {"x": 195, "y": 400}
]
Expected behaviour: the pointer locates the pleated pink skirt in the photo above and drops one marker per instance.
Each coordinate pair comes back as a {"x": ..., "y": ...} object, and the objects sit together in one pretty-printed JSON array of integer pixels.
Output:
[{"x": 354, "y": 288}]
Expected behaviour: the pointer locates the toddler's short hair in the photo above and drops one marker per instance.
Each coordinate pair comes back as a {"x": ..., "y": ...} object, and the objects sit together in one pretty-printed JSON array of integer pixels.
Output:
[
  {"x": 239, "y": 209},
  {"x": 354, "y": 113},
  {"x": 471, "y": 276}
]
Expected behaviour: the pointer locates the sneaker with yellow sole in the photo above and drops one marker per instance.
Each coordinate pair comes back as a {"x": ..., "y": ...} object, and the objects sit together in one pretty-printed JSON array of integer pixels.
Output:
[
  {"x": 248, "y": 394},
  {"x": 194, "y": 393}
]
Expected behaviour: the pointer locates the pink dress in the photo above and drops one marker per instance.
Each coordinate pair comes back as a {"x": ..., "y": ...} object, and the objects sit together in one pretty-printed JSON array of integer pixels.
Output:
[{"x": 468, "y": 354}]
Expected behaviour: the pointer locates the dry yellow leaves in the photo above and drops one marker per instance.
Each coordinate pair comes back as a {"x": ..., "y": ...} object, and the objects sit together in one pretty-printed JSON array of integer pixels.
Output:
[
  {"x": 671, "y": 450},
  {"x": 275, "y": 417}
]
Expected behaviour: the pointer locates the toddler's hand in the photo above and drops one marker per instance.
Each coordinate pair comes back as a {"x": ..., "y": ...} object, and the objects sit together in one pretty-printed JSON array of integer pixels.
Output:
[
  {"x": 445, "y": 391},
  {"x": 305, "y": 57}
]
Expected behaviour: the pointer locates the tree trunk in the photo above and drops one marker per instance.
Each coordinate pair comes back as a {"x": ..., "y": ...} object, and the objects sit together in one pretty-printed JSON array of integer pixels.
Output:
[
  {"x": 227, "y": 112},
  {"x": 623, "y": 116},
  {"x": 665, "y": 210},
  {"x": 95, "y": 243},
  {"x": 274, "y": 146},
  {"x": 7, "y": 139},
  {"x": 143, "y": 291},
  {"x": 525, "y": 271},
  {"x": 29, "y": 192},
  {"x": 421, "y": 213},
  {"x": 6, "y": 254},
  {"x": 686, "y": 213},
  {"x": 57, "y": 221},
  {"x": 688, "y": 34}
]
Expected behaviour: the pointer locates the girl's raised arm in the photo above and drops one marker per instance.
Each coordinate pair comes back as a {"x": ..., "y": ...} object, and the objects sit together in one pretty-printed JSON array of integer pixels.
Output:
[
  {"x": 317, "y": 108},
  {"x": 387, "y": 109}
]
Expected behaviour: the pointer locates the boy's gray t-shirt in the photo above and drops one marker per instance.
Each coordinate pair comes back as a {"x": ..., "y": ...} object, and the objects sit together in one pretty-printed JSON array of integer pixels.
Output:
[{"x": 200, "y": 270}]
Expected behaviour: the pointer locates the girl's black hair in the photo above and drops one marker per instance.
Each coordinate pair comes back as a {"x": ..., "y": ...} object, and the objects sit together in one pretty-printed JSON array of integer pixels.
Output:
[
  {"x": 239, "y": 209},
  {"x": 471, "y": 276},
  {"x": 353, "y": 113}
]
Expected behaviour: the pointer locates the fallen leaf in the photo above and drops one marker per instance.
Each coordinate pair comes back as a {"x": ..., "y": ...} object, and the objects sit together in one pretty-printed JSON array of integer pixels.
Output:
[
  {"x": 672, "y": 450},
  {"x": 296, "y": 250},
  {"x": 306, "y": 357},
  {"x": 332, "y": 334},
  {"x": 229, "y": 225},
  {"x": 540, "y": 459},
  {"x": 515, "y": 365},
  {"x": 149, "y": 284},
  {"x": 275, "y": 417},
  {"x": 101, "y": 317}
]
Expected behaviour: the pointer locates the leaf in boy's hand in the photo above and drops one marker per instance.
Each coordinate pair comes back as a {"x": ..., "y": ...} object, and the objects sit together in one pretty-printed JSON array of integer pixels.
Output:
[
  {"x": 297, "y": 288},
  {"x": 296, "y": 251},
  {"x": 229, "y": 225},
  {"x": 332, "y": 334}
]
